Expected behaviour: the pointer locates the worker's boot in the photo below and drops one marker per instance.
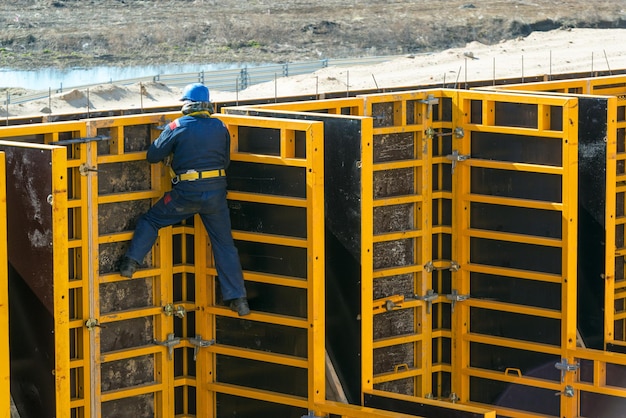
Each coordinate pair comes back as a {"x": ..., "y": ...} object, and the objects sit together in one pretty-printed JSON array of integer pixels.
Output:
[
  {"x": 128, "y": 266},
  {"x": 240, "y": 305}
]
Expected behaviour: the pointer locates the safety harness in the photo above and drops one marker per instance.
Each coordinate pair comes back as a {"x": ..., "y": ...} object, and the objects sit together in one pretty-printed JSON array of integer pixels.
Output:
[{"x": 192, "y": 175}]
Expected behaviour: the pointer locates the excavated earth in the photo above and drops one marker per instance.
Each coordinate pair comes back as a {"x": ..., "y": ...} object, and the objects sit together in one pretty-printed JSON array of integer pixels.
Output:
[{"x": 83, "y": 33}]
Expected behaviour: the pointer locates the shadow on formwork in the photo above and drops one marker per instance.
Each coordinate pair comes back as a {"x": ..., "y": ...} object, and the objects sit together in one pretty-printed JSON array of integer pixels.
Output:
[{"x": 456, "y": 253}]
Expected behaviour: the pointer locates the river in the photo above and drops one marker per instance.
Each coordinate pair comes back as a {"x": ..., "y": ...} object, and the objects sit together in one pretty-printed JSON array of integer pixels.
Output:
[{"x": 54, "y": 78}]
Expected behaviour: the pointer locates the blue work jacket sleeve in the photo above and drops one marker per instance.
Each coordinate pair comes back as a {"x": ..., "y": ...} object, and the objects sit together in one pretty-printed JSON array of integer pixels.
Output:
[{"x": 161, "y": 147}]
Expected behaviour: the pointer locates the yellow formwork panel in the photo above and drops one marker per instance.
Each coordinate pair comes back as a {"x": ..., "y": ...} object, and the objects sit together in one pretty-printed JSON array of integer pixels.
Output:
[
  {"x": 279, "y": 148},
  {"x": 136, "y": 347},
  {"x": 5, "y": 384},
  {"x": 516, "y": 169},
  {"x": 403, "y": 163},
  {"x": 615, "y": 281}
]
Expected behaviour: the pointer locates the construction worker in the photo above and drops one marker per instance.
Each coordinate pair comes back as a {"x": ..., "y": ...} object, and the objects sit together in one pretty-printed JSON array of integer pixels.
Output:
[{"x": 199, "y": 148}]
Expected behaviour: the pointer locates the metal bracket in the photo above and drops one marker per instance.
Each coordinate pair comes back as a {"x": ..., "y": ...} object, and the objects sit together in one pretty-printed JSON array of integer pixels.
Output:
[
  {"x": 81, "y": 140},
  {"x": 199, "y": 343},
  {"x": 84, "y": 169},
  {"x": 170, "y": 310},
  {"x": 430, "y": 101},
  {"x": 387, "y": 304},
  {"x": 565, "y": 367},
  {"x": 429, "y": 298},
  {"x": 433, "y": 265},
  {"x": 458, "y": 133},
  {"x": 92, "y": 323},
  {"x": 455, "y": 157},
  {"x": 454, "y": 297},
  {"x": 169, "y": 343},
  {"x": 568, "y": 392}
]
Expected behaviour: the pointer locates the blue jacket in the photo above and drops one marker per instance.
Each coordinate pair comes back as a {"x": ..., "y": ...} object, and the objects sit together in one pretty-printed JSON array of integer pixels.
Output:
[{"x": 198, "y": 143}]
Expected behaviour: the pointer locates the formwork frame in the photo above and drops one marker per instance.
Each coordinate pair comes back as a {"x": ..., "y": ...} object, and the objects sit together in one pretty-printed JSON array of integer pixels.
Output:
[
  {"x": 57, "y": 297},
  {"x": 614, "y": 280},
  {"x": 93, "y": 153},
  {"x": 5, "y": 370}
]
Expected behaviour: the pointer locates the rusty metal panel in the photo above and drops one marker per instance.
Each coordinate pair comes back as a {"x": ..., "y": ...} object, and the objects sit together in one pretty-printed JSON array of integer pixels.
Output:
[
  {"x": 38, "y": 313},
  {"x": 29, "y": 186}
]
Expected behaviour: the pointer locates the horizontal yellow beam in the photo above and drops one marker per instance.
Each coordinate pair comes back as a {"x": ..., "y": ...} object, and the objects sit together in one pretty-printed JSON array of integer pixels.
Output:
[
  {"x": 262, "y": 395},
  {"x": 516, "y": 344},
  {"x": 263, "y": 356},
  {"x": 131, "y": 392},
  {"x": 267, "y": 199}
]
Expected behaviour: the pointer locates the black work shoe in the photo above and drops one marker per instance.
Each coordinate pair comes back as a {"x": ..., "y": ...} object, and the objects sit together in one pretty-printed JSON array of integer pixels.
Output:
[
  {"x": 240, "y": 305},
  {"x": 128, "y": 266}
]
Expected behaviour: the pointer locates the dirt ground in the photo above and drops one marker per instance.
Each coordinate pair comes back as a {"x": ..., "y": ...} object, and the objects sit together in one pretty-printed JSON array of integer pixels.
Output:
[
  {"x": 83, "y": 33},
  {"x": 436, "y": 42}
]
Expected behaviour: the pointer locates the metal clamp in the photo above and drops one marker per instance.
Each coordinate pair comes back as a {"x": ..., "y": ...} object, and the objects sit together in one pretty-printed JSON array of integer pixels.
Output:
[
  {"x": 169, "y": 343},
  {"x": 92, "y": 323},
  {"x": 458, "y": 133},
  {"x": 429, "y": 298},
  {"x": 454, "y": 297},
  {"x": 170, "y": 310},
  {"x": 387, "y": 304},
  {"x": 455, "y": 157},
  {"x": 430, "y": 100},
  {"x": 568, "y": 392},
  {"x": 565, "y": 367},
  {"x": 84, "y": 169},
  {"x": 199, "y": 343},
  {"x": 433, "y": 265}
]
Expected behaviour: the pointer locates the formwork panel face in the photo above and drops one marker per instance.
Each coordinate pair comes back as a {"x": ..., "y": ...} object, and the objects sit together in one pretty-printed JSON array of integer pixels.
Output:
[
  {"x": 398, "y": 216},
  {"x": 39, "y": 290},
  {"x": 513, "y": 297},
  {"x": 277, "y": 220}
]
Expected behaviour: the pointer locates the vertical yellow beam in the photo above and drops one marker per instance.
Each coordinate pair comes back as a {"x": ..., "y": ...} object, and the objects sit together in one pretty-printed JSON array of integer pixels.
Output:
[
  {"x": 92, "y": 292},
  {"x": 204, "y": 321},
  {"x": 610, "y": 218},
  {"x": 5, "y": 383},
  {"x": 315, "y": 269},
  {"x": 367, "y": 251},
  {"x": 569, "y": 405},
  {"x": 460, "y": 244},
  {"x": 60, "y": 279},
  {"x": 424, "y": 152}
]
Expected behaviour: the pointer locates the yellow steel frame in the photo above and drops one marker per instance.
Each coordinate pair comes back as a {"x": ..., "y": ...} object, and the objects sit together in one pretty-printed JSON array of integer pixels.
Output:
[
  {"x": 463, "y": 196},
  {"x": 398, "y": 117},
  {"x": 615, "y": 165},
  {"x": 78, "y": 356},
  {"x": 5, "y": 384},
  {"x": 401, "y": 113},
  {"x": 313, "y": 202}
]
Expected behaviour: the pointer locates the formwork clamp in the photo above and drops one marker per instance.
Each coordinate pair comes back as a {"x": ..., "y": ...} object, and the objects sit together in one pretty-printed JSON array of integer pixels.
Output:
[
  {"x": 199, "y": 343},
  {"x": 564, "y": 366},
  {"x": 455, "y": 297},
  {"x": 458, "y": 133},
  {"x": 429, "y": 297},
  {"x": 178, "y": 311},
  {"x": 430, "y": 100},
  {"x": 455, "y": 157},
  {"x": 169, "y": 343},
  {"x": 387, "y": 304}
]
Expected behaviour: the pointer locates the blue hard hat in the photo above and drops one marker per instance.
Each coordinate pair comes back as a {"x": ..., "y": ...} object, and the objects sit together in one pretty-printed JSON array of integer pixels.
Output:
[{"x": 196, "y": 92}]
